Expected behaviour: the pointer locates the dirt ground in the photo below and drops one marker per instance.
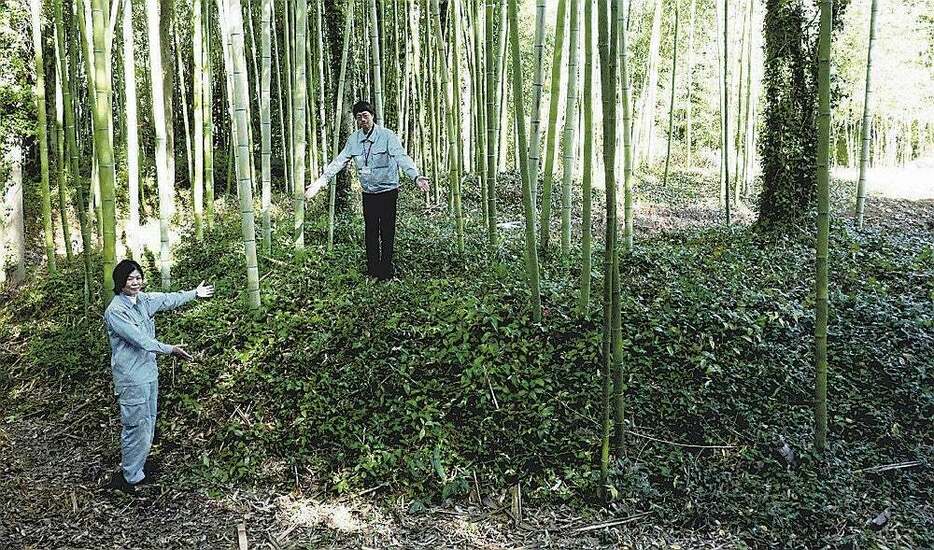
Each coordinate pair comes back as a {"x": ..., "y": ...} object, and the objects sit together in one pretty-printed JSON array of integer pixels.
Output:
[{"x": 53, "y": 469}]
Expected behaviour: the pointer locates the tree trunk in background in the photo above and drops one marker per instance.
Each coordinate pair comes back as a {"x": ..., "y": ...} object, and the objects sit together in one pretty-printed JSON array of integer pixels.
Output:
[
  {"x": 644, "y": 138},
  {"x": 182, "y": 88},
  {"x": 570, "y": 130},
  {"x": 531, "y": 253},
  {"x": 234, "y": 21},
  {"x": 823, "y": 224},
  {"x": 375, "y": 59},
  {"x": 166, "y": 186},
  {"x": 544, "y": 224},
  {"x": 788, "y": 142},
  {"x": 865, "y": 133},
  {"x": 17, "y": 226}
]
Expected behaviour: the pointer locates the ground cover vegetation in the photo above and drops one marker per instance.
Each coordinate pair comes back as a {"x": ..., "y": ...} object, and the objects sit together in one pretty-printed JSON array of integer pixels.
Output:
[{"x": 439, "y": 385}]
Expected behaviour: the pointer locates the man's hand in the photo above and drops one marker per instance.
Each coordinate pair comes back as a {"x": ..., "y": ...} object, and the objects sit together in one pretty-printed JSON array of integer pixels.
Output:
[
  {"x": 422, "y": 183},
  {"x": 204, "y": 290},
  {"x": 177, "y": 351},
  {"x": 313, "y": 189}
]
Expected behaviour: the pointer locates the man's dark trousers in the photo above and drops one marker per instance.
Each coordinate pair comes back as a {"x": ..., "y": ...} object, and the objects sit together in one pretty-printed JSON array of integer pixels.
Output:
[{"x": 379, "y": 229}]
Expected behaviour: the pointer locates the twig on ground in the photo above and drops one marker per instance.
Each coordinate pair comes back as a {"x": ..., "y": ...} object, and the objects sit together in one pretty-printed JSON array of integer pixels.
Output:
[
  {"x": 676, "y": 444},
  {"x": 887, "y": 467},
  {"x": 610, "y": 523}
]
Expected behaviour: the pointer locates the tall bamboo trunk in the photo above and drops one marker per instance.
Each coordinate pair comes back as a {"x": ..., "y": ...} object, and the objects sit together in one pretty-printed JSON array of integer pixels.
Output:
[
  {"x": 725, "y": 108},
  {"x": 823, "y": 224},
  {"x": 531, "y": 253},
  {"x": 688, "y": 116},
  {"x": 455, "y": 129},
  {"x": 60, "y": 163},
  {"x": 166, "y": 188},
  {"x": 583, "y": 307},
  {"x": 865, "y": 133},
  {"x": 182, "y": 93},
  {"x": 338, "y": 113},
  {"x": 208, "y": 117},
  {"x": 265, "y": 118},
  {"x": 537, "y": 85},
  {"x": 234, "y": 23},
  {"x": 69, "y": 70},
  {"x": 41, "y": 131},
  {"x": 132, "y": 124},
  {"x": 492, "y": 115},
  {"x": 299, "y": 113},
  {"x": 671, "y": 105},
  {"x": 645, "y": 126},
  {"x": 625, "y": 88},
  {"x": 104, "y": 139},
  {"x": 544, "y": 228},
  {"x": 570, "y": 130},
  {"x": 612, "y": 342},
  {"x": 197, "y": 102}
]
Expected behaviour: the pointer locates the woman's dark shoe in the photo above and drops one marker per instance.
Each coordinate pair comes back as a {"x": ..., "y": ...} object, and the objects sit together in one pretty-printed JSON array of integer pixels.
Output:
[{"x": 119, "y": 483}]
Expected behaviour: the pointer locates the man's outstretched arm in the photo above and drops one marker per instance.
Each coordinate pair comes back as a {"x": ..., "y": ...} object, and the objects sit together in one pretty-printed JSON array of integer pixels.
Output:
[{"x": 330, "y": 171}]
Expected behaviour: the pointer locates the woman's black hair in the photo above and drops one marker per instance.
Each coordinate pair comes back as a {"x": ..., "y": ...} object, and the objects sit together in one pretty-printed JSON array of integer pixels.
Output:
[
  {"x": 122, "y": 273},
  {"x": 361, "y": 106}
]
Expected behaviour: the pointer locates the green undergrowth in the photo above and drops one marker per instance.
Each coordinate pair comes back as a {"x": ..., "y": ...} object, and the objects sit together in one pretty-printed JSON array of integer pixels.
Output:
[{"x": 439, "y": 383}]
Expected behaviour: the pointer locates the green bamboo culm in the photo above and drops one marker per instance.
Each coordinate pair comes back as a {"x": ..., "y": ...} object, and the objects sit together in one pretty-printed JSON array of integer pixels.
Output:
[
  {"x": 72, "y": 147},
  {"x": 492, "y": 117},
  {"x": 375, "y": 59},
  {"x": 531, "y": 252},
  {"x": 544, "y": 223},
  {"x": 61, "y": 171},
  {"x": 623, "y": 21},
  {"x": 570, "y": 130},
  {"x": 823, "y": 222},
  {"x": 452, "y": 90},
  {"x": 208, "y": 120},
  {"x": 41, "y": 134},
  {"x": 265, "y": 117},
  {"x": 726, "y": 113},
  {"x": 865, "y": 133},
  {"x": 671, "y": 105},
  {"x": 299, "y": 113},
  {"x": 132, "y": 123},
  {"x": 612, "y": 341},
  {"x": 159, "y": 122},
  {"x": 197, "y": 104},
  {"x": 583, "y": 306},
  {"x": 244, "y": 173},
  {"x": 103, "y": 137},
  {"x": 537, "y": 85},
  {"x": 338, "y": 115}
]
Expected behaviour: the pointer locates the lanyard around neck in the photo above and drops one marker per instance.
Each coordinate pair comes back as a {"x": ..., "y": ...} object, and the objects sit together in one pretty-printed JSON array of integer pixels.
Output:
[{"x": 366, "y": 157}]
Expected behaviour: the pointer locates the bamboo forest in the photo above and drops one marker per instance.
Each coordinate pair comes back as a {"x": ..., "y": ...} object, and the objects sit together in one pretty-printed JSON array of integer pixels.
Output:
[{"x": 490, "y": 274}]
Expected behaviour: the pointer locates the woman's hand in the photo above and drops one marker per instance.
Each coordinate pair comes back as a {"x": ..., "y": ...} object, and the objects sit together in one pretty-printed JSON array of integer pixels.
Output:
[{"x": 204, "y": 290}]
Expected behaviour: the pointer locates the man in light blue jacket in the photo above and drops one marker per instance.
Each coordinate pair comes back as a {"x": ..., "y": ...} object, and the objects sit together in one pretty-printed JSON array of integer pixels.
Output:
[
  {"x": 133, "y": 345},
  {"x": 378, "y": 156}
]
